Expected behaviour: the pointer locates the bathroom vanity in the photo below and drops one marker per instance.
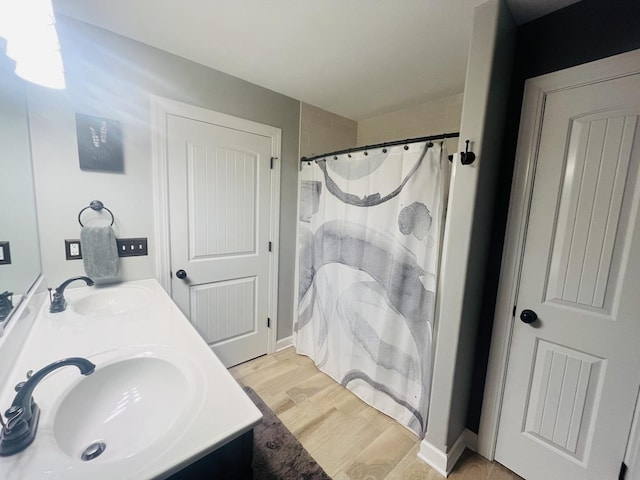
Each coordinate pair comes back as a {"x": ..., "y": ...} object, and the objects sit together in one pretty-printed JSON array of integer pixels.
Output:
[{"x": 159, "y": 403}]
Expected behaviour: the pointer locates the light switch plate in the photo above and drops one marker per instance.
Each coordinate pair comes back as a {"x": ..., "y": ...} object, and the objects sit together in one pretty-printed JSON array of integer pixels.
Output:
[{"x": 132, "y": 247}]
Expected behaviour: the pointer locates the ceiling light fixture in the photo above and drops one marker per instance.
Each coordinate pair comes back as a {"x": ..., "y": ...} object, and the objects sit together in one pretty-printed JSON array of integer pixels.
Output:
[{"x": 32, "y": 41}]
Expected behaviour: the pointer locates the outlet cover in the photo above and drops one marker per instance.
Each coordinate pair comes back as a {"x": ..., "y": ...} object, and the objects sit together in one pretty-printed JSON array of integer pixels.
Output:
[
  {"x": 73, "y": 249},
  {"x": 5, "y": 253}
]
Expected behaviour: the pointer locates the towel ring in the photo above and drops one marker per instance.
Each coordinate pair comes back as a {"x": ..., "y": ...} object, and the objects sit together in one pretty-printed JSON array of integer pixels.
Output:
[{"x": 96, "y": 205}]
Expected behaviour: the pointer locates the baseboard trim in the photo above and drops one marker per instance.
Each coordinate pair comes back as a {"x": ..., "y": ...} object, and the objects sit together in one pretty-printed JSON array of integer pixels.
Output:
[
  {"x": 471, "y": 440},
  {"x": 442, "y": 462},
  {"x": 433, "y": 457},
  {"x": 284, "y": 343}
]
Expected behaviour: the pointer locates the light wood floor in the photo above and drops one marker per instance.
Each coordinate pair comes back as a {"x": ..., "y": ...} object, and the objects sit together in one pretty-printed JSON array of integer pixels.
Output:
[{"x": 347, "y": 437}]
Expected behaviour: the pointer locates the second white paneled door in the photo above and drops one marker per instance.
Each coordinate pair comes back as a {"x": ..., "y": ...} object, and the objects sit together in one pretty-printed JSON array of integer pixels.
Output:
[
  {"x": 574, "y": 361},
  {"x": 220, "y": 196}
]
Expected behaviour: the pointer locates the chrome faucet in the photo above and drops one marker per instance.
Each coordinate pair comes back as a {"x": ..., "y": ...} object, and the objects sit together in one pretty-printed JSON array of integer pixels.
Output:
[
  {"x": 58, "y": 303},
  {"x": 23, "y": 415}
]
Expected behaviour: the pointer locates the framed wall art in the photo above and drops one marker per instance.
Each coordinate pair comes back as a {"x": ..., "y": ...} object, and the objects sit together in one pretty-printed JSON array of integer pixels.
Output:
[{"x": 99, "y": 143}]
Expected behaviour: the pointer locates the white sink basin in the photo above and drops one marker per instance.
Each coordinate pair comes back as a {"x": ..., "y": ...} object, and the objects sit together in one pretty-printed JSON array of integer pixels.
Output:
[
  {"x": 129, "y": 405},
  {"x": 111, "y": 301},
  {"x": 159, "y": 398}
]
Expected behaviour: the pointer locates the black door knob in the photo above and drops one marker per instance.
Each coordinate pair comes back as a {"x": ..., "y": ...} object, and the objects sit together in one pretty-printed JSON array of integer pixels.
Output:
[
  {"x": 528, "y": 316},
  {"x": 181, "y": 274}
]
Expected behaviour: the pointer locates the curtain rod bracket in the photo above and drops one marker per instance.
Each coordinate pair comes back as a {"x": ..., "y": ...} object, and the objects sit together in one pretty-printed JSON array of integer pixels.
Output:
[{"x": 467, "y": 157}]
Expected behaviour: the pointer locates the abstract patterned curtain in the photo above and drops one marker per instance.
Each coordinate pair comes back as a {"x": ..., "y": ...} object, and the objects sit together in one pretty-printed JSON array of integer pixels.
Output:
[{"x": 369, "y": 248}]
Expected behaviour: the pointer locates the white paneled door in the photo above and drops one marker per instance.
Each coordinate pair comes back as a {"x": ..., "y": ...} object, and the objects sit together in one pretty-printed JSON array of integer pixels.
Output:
[
  {"x": 220, "y": 196},
  {"x": 574, "y": 362}
]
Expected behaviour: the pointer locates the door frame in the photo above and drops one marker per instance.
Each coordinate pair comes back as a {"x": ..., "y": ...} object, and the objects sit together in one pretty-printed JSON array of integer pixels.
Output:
[
  {"x": 162, "y": 107},
  {"x": 535, "y": 93}
]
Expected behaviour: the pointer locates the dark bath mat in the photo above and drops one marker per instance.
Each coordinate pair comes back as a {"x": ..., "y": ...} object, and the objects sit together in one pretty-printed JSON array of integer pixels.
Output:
[{"x": 277, "y": 454}]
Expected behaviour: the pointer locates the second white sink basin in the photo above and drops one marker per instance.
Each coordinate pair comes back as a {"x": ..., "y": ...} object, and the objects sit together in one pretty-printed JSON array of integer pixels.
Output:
[
  {"x": 128, "y": 406},
  {"x": 111, "y": 301}
]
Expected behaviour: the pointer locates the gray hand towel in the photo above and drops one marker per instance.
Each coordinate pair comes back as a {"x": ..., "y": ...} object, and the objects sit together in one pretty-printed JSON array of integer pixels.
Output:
[{"x": 99, "y": 252}]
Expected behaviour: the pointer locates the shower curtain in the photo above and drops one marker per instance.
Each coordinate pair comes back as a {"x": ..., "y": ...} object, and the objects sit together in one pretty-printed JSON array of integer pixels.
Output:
[{"x": 369, "y": 248}]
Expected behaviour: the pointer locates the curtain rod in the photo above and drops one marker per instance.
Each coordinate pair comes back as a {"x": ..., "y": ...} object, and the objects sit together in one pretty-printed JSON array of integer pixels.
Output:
[{"x": 442, "y": 136}]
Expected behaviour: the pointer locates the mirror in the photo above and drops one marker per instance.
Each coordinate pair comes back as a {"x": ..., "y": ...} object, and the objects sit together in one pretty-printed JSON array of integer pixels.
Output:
[{"x": 18, "y": 221}]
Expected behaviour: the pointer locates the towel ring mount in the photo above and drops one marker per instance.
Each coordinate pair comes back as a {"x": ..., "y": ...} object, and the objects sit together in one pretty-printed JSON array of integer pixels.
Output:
[{"x": 96, "y": 206}]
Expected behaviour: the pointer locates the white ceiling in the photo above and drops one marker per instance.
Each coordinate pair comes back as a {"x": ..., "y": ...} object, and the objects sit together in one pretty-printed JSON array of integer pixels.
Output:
[{"x": 356, "y": 58}]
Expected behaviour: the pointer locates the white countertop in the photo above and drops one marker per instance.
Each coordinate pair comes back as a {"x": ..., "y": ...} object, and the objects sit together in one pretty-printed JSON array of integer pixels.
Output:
[{"x": 219, "y": 410}]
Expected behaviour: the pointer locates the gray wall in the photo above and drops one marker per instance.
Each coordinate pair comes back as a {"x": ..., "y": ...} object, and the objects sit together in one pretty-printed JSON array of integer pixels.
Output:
[
  {"x": 466, "y": 238},
  {"x": 112, "y": 76},
  {"x": 323, "y": 132},
  {"x": 442, "y": 115}
]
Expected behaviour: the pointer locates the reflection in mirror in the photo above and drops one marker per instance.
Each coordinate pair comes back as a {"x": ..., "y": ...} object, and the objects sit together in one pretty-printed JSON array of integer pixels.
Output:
[{"x": 18, "y": 223}]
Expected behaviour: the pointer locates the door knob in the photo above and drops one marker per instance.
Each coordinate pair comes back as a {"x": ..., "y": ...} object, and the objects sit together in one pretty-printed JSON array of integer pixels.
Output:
[
  {"x": 181, "y": 274},
  {"x": 528, "y": 316}
]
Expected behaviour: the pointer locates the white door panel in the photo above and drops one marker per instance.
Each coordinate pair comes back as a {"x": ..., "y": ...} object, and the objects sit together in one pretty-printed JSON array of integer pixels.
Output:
[
  {"x": 232, "y": 300},
  {"x": 219, "y": 196},
  {"x": 573, "y": 375}
]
